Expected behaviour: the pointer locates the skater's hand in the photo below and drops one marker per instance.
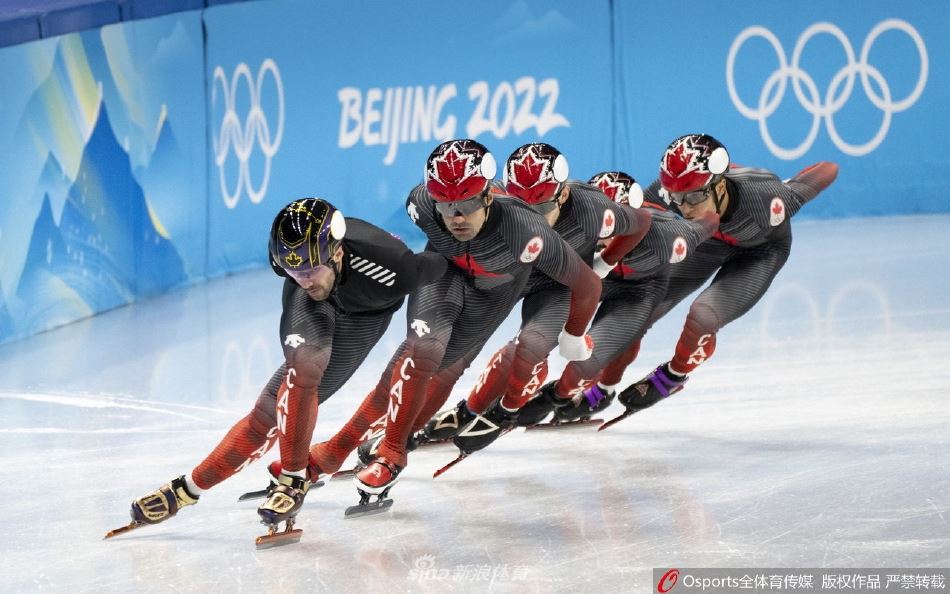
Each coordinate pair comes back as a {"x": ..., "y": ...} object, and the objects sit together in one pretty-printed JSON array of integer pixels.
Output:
[
  {"x": 600, "y": 266},
  {"x": 575, "y": 348}
]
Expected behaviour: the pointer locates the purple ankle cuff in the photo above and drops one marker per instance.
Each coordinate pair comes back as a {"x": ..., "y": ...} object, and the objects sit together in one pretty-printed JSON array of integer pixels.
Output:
[{"x": 594, "y": 395}]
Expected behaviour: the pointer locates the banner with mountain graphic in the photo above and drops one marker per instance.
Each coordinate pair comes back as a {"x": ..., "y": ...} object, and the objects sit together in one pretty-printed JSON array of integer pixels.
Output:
[{"x": 102, "y": 164}]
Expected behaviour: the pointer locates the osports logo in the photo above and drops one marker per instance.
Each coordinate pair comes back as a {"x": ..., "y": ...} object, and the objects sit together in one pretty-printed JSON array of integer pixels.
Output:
[
  {"x": 668, "y": 580},
  {"x": 244, "y": 136},
  {"x": 824, "y": 107}
]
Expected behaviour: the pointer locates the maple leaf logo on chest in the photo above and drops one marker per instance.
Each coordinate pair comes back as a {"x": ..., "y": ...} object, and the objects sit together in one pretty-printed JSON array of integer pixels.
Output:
[{"x": 469, "y": 264}]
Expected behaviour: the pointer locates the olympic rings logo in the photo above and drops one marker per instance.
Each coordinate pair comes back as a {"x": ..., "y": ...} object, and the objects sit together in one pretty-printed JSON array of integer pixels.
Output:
[
  {"x": 773, "y": 91},
  {"x": 254, "y": 131}
]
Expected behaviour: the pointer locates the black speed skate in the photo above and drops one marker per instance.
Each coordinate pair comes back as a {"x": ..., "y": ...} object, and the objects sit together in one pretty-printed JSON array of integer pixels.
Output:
[
  {"x": 446, "y": 424},
  {"x": 578, "y": 412},
  {"x": 158, "y": 506},
  {"x": 539, "y": 407},
  {"x": 482, "y": 430},
  {"x": 659, "y": 384},
  {"x": 282, "y": 505},
  {"x": 592, "y": 401}
]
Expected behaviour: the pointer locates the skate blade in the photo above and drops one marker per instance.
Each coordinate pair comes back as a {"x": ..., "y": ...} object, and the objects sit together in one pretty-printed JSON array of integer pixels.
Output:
[
  {"x": 278, "y": 539},
  {"x": 614, "y": 421},
  {"x": 132, "y": 526},
  {"x": 342, "y": 474},
  {"x": 440, "y": 471},
  {"x": 435, "y": 442},
  {"x": 368, "y": 509},
  {"x": 250, "y": 495},
  {"x": 568, "y": 425},
  {"x": 254, "y": 495}
]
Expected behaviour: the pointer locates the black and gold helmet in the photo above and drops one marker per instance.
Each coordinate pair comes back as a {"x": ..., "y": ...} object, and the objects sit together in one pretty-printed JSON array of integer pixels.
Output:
[{"x": 305, "y": 234}]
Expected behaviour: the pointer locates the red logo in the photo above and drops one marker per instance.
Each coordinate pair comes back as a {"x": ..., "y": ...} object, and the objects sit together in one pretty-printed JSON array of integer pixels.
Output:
[
  {"x": 725, "y": 237},
  {"x": 454, "y": 167},
  {"x": 668, "y": 580},
  {"x": 469, "y": 264},
  {"x": 529, "y": 171},
  {"x": 607, "y": 228},
  {"x": 681, "y": 159},
  {"x": 679, "y": 250},
  {"x": 612, "y": 190},
  {"x": 777, "y": 212},
  {"x": 532, "y": 250}
]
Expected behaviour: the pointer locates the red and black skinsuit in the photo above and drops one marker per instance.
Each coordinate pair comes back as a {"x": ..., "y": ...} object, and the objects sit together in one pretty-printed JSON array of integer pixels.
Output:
[
  {"x": 452, "y": 318},
  {"x": 323, "y": 342}
]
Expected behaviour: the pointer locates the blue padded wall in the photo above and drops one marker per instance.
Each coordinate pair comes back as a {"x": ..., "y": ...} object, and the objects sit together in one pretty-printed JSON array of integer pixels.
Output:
[
  {"x": 67, "y": 16},
  {"x": 19, "y": 27}
]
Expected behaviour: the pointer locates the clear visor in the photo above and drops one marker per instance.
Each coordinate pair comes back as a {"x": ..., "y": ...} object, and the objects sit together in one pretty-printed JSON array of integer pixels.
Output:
[
  {"x": 303, "y": 276},
  {"x": 461, "y": 207},
  {"x": 692, "y": 198}
]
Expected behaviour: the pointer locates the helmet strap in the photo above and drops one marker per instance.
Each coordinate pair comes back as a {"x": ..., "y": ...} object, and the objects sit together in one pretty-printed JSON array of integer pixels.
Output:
[
  {"x": 338, "y": 271},
  {"x": 720, "y": 199}
]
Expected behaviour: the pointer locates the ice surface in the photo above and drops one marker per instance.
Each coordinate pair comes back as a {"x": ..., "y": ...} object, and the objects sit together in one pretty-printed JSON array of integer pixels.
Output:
[{"x": 815, "y": 437}]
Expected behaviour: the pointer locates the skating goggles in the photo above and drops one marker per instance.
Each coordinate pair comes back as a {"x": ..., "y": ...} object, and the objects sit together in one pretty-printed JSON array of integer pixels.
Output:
[
  {"x": 692, "y": 198},
  {"x": 543, "y": 208},
  {"x": 461, "y": 208}
]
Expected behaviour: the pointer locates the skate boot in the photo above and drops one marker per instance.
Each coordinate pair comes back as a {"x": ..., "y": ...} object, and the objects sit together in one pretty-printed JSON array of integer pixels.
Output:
[
  {"x": 157, "y": 506},
  {"x": 445, "y": 424},
  {"x": 377, "y": 478},
  {"x": 275, "y": 468},
  {"x": 163, "y": 503},
  {"x": 482, "y": 430},
  {"x": 540, "y": 406},
  {"x": 282, "y": 505},
  {"x": 659, "y": 384},
  {"x": 314, "y": 474},
  {"x": 593, "y": 400},
  {"x": 368, "y": 449}
]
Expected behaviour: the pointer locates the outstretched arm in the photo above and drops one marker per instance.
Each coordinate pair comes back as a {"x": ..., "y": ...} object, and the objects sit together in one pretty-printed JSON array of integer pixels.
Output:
[{"x": 811, "y": 181}]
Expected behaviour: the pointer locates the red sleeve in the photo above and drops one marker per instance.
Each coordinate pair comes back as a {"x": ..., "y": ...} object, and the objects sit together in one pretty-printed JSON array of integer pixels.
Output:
[
  {"x": 621, "y": 245},
  {"x": 585, "y": 288}
]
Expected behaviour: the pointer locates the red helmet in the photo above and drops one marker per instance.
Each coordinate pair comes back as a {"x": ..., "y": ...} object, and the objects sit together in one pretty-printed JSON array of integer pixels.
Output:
[
  {"x": 459, "y": 170},
  {"x": 692, "y": 162},
  {"x": 534, "y": 172},
  {"x": 619, "y": 187}
]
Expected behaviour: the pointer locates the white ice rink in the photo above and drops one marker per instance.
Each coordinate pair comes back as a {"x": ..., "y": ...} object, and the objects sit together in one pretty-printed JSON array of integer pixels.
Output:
[{"x": 815, "y": 437}]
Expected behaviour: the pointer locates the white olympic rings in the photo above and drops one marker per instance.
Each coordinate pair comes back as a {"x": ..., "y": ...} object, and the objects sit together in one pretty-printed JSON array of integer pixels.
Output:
[
  {"x": 833, "y": 102},
  {"x": 254, "y": 131}
]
